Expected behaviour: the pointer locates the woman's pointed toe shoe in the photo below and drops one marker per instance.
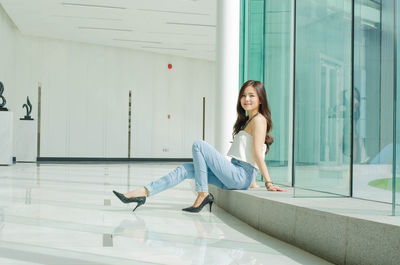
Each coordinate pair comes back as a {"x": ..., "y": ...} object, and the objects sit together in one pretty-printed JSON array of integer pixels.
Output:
[
  {"x": 207, "y": 200},
  {"x": 139, "y": 200}
]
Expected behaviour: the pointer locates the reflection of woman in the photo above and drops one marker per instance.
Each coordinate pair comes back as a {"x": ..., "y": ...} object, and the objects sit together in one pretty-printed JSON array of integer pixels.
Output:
[
  {"x": 165, "y": 243},
  {"x": 251, "y": 142},
  {"x": 356, "y": 118},
  {"x": 135, "y": 229},
  {"x": 359, "y": 152},
  {"x": 358, "y": 146}
]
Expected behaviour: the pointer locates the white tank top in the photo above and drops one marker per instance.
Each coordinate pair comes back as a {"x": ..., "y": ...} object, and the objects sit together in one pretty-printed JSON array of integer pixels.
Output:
[{"x": 242, "y": 148}]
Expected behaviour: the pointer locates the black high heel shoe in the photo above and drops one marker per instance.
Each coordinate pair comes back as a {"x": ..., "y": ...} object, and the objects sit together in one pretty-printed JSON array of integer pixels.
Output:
[
  {"x": 207, "y": 200},
  {"x": 139, "y": 200}
]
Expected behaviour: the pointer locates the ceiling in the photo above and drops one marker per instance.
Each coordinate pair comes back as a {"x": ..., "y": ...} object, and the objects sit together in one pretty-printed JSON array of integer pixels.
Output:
[{"x": 176, "y": 27}]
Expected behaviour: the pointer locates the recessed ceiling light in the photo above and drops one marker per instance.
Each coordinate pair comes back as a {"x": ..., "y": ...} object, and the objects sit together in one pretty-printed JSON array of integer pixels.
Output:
[
  {"x": 89, "y": 5},
  {"x": 141, "y": 41},
  {"x": 173, "y": 12},
  {"x": 189, "y": 24},
  {"x": 176, "y": 33},
  {"x": 199, "y": 44},
  {"x": 161, "y": 48},
  {"x": 111, "y": 29},
  {"x": 89, "y": 18}
]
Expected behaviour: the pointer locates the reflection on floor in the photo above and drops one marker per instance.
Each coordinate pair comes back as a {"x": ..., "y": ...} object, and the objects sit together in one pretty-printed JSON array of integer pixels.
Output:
[{"x": 67, "y": 214}]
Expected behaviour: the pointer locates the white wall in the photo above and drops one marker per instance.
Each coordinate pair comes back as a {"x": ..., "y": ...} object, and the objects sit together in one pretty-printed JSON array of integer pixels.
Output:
[
  {"x": 85, "y": 92},
  {"x": 7, "y": 56}
]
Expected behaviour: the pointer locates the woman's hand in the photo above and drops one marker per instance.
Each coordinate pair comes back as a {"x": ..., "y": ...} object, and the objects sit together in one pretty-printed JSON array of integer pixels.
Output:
[
  {"x": 271, "y": 187},
  {"x": 254, "y": 185}
]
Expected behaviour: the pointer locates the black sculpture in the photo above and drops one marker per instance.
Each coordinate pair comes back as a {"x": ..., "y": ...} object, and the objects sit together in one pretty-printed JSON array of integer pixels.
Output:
[
  {"x": 3, "y": 100},
  {"x": 28, "y": 110}
]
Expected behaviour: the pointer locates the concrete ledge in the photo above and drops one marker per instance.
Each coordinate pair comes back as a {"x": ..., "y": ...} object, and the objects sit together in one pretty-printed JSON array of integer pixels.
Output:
[{"x": 340, "y": 230}]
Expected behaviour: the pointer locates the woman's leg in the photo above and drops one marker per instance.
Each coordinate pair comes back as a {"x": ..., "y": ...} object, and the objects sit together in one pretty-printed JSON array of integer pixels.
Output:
[
  {"x": 208, "y": 167},
  {"x": 170, "y": 180},
  {"x": 176, "y": 176},
  {"x": 206, "y": 158},
  {"x": 184, "y": 171}
]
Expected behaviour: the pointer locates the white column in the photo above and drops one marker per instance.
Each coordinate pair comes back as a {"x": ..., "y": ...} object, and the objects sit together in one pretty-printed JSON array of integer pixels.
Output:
[{"x": 227, "y": 71}]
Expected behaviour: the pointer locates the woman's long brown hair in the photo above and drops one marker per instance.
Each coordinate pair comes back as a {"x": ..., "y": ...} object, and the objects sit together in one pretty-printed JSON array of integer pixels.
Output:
[{"x": 263, "y": 110}]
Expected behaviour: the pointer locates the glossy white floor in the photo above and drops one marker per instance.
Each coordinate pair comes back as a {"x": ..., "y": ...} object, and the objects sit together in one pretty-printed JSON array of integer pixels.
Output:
[{"x": 67, "y": 214}]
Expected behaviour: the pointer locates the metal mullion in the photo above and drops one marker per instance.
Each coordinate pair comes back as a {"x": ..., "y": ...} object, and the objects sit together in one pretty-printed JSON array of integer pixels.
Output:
[
  {"x": 294, "y": 92},
  {"x": 394, "y": 167},
  {"x": 352, "y": 101}
]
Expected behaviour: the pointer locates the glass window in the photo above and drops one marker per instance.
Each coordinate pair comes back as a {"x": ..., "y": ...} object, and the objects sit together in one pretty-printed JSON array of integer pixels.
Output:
[
  {"x": 339, "y": 100},
  {"x": 373, "y": 100},
  {"x": 278, "y": 83},
  {"x": 266, "y": 55},
  {"x": 322, "y": 98},
  {"x": 256, "y": 41}
]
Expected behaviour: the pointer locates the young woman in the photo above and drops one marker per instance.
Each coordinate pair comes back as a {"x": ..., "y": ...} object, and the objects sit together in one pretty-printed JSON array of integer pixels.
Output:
[{"x": 250, "y": 144}]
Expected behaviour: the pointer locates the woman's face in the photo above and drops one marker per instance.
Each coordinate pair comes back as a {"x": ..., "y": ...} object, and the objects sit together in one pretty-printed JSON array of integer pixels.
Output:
[{"x": 249, "y": 100}]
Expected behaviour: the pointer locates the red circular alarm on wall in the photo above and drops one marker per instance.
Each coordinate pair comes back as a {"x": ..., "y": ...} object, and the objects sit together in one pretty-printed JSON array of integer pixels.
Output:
[{"x": 169, "y": 66}]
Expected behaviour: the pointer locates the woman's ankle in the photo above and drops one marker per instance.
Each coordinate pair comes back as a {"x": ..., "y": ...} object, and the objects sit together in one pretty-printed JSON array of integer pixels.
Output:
[
  {"x": 141, "y": 192},
  {"x": 202, "y": 194}
]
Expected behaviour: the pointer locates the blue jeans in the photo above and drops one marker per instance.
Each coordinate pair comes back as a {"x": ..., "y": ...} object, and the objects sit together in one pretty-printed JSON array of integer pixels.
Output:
[{"x": 208, "y": 167}]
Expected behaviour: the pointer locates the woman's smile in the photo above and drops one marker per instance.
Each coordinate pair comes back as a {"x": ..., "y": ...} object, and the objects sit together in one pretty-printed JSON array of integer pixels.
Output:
[{"x": 249, "y": 99}]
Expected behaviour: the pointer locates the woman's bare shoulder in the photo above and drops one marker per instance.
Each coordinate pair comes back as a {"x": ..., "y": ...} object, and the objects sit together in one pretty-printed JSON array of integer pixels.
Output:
[{"x": 260, "y": 120}]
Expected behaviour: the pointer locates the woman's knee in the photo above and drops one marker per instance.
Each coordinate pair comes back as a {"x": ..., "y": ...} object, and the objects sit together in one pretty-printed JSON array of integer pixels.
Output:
[
  {"x": 197, "y": 145},
  {"x": 188, "y": 168}
]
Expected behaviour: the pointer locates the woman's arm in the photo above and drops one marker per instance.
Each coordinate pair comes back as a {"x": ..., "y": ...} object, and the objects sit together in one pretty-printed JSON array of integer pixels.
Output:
[{"x": 259, "y": 133}]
